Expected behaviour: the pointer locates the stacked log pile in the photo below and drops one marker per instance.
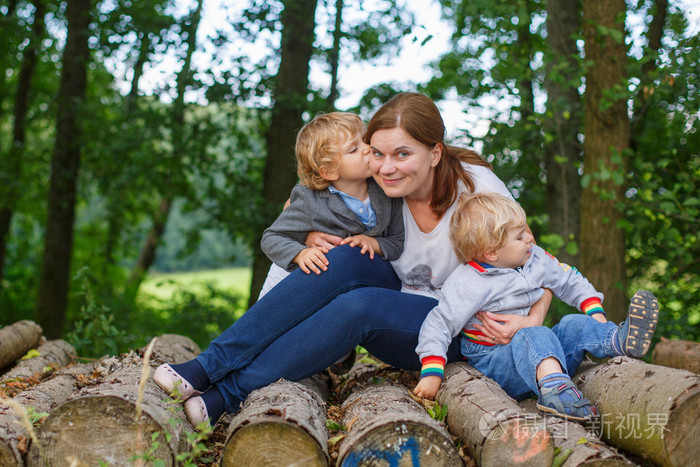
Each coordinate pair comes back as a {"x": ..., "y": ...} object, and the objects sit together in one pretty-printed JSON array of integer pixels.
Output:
[{"x": 107, "y": 413}]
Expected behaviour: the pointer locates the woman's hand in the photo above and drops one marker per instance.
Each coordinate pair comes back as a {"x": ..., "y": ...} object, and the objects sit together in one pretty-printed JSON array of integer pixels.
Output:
[
  {"x": 368, "y": 244},
  {"x": 326, "y": 242},
  {"x": 500, "y": 328},
  {"x": 427, "y": 387}
]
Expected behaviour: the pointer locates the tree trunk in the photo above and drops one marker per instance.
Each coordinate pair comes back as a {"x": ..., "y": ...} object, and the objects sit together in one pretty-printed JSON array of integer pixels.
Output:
[
  {"x": 291, "y": 89},
  {"x": 16, "y": 339},
  {"x": 496, "y": 431},
  {"x": 14, "y": 168},
  {"x": 334, "y": 56},
  {"x": 52, "y": 299},
  {"x": 684, "y": 355},
  {"x": 387, "y": 427},
  {"x": 577, "y": 446},
  {"x": 281, "y": 424},
  {"x": 648, "y": 410},
  {"x": 53, "y": 354},
  {"x": 41, "y": 399},
  {"x": 148, "y": 252},
  {"x": 562, "y": 148},
  {"x": 98, "y": 423},
  {"x": 607, "y": 136}
]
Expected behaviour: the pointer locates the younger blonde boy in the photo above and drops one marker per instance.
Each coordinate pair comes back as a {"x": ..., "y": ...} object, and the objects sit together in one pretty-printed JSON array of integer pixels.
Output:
[
  {"x": 504, "y": 272},
  {"x": 336, "y": 195}
]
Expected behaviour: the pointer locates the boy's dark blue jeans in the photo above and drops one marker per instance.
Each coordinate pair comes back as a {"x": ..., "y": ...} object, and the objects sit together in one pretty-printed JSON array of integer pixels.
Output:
[{"x": 514, "y": 365}]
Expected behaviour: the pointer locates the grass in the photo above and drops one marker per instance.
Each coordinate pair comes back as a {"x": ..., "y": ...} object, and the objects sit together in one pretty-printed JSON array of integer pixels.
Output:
[{"x": 164, "y": 286}]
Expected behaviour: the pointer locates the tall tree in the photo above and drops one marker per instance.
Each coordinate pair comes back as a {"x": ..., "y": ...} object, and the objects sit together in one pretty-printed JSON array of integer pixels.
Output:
[
  {"x": 562, "y": 128},
  {"x": 54, "y": 279},
  {"x": 148, "y": 251},
  {"x": 12, "y": 172},
  {"x": 334, "y": 55},
  {"x": 290, "y": 102},
  {"x": 607, "y": 129}
]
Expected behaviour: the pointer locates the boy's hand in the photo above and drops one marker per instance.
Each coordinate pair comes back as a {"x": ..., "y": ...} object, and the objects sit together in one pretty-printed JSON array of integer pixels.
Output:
[
  {"x": 428, "y": 387},
  {"x": 599, "y": 317},
  {"x": 311, "y": 259},
  {"x": 367, "y": 243}
]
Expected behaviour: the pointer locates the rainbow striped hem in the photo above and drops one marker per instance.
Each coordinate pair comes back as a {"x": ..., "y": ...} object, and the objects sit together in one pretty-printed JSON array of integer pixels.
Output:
[
  {"x": 476, "y": 337},
  {"x": 433, "y": 366},
  {"x": 591, "y": 306}
]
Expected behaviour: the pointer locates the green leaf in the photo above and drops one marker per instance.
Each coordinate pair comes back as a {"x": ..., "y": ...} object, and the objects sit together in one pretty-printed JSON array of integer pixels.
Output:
[{"x": 31, "y": 354}]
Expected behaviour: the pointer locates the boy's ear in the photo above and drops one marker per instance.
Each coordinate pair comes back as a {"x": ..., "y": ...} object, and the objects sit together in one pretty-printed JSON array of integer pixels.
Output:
[
  {"x": 328, "y": 174},
  {"x": 491, "y": 256}
]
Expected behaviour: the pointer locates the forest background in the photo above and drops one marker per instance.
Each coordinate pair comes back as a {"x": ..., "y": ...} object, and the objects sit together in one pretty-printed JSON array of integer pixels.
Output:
[{"x": 137, "y": 137}]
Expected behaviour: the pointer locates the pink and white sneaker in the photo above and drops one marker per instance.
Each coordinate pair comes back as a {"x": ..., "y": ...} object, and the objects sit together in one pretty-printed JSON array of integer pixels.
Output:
[{"x": 175, "y": 385}]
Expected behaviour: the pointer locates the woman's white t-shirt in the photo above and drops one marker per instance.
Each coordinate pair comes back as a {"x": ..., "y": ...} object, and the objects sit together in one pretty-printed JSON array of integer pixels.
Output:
[{"x": 428, "y": 258}]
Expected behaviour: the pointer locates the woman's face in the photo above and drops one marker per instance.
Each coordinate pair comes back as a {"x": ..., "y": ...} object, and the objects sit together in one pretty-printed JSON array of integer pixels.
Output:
[{"x": 402, "y": 165}]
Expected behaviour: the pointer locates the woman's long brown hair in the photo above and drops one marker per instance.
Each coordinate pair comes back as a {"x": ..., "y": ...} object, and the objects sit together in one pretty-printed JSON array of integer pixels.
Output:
[{"x": 418, "y": 116}]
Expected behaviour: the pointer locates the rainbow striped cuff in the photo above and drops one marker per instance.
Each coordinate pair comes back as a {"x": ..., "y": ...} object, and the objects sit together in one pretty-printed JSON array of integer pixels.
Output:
[
  {"x": 591, "y": 306},
  {"x": 433, "y": 366}
]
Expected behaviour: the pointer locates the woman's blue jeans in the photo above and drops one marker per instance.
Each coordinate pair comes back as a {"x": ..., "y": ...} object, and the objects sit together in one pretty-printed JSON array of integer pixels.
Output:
[
  {"x": 307, "y": 322},
  {"x": 514, "y": 365}
]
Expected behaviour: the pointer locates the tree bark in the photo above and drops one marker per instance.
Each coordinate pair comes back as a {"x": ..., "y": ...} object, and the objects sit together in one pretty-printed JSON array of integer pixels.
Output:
[
  {"x": 291, "y": 89},
  {"x": 281, "y": 424},
  {"x": 607, "y": 136},
  {"x": 577, "y": 446},
  {"x": 334, "y": 56},
  {"x": 648, "y": 410},
  {"x": 16, "y": 339},
  {"x": 42, "y": 398},
  {"x": 495, "y": 429},
  {"x": 54, "y": 279},
  {"x": 14, "y": 168},
  {"x": 98, "y": 423},
  {"x": 53, "y": 354},
  {"x": 387, "y": 427},
  {"x": 684, "y": 355},
  {"x": 563, "y": 150}
]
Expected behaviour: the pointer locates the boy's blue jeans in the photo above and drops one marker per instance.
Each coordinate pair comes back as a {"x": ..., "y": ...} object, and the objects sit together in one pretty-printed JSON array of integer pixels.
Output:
[{"x": 514, "y": 365}]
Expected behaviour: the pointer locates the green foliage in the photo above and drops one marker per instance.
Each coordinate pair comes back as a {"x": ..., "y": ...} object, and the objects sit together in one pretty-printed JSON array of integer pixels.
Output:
[
  {"x": 95, "y": 331},
  {"x": 438, "y": 412}
]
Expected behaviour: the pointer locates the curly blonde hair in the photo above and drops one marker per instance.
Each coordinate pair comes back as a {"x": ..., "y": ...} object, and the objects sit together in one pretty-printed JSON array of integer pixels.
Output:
[
  {"x": 481, "y": 222},
  {"x": 318, "y": 146}
]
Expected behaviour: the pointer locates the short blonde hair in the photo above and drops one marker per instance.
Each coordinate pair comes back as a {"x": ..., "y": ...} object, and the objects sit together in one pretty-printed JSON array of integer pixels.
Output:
[
  {"x": 318, "y": 145},
  {"x": 481, "y": 222}
]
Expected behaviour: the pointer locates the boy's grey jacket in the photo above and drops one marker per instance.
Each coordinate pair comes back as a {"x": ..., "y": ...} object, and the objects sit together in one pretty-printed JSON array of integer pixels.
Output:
[
  {"x": 499, "y": 290},
  {"x": 323, "y": 211}
]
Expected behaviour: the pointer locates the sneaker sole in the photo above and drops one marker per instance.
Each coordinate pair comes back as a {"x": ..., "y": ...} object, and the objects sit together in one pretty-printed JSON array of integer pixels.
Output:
[
  {"x": 642, "y": 319},
  {"x": 550, "y": 410}
]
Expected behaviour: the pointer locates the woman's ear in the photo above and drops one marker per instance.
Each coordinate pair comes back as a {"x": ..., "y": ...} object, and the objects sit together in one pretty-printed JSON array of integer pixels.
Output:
[{"x": 436, "y": 154}]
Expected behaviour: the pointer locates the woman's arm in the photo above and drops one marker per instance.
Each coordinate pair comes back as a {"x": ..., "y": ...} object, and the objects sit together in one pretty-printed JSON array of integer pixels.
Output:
[{"x": 502, "y": 327}]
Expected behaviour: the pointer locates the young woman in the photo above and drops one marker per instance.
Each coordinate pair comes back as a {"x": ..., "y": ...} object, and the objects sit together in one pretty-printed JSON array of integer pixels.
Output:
[{"x": 308, "y": 322}]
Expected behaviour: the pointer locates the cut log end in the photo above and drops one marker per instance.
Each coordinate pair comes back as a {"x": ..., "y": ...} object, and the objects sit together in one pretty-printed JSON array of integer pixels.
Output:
[
  {"x": 273, "y": 444},
  {"x": 402, "y": 443},
  {"x": 683, "y": 432},
  {"x": 98, "y": 429}
]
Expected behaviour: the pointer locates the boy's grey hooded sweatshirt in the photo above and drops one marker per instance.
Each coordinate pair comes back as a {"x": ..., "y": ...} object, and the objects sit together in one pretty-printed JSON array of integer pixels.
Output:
[{"x": 472, "y": 288}]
